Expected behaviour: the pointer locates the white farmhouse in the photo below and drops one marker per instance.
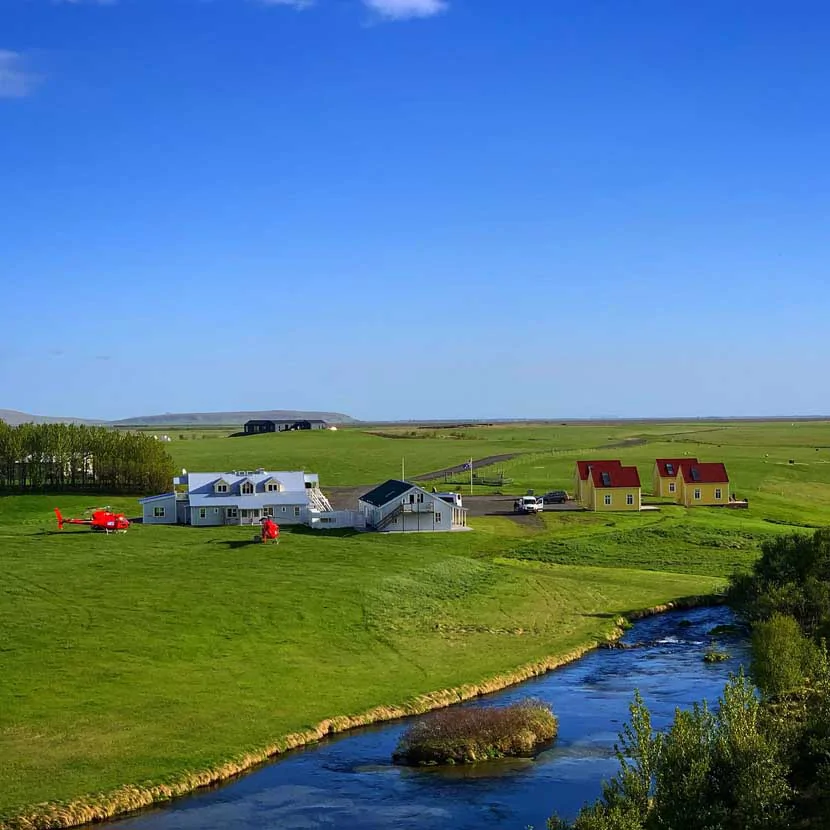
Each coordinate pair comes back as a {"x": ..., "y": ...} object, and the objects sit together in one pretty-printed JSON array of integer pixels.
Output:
[
  {"x": 239, "y": 498},
  {"x": 404, "y": 507}
]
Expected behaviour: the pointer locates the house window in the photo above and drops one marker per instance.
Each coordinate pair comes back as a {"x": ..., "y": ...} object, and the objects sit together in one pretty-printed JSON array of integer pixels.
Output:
[
  {"x": 231, "y": 512},
  {"x": 438, "y": 518},
  {"x": 246, "y": 514},
  {"x": 629, "y": 499},
  {"x": 222, "y": 488},
  {"x": 326, "y": 520},
  {"x": 284, "y": 509},
  {"x": 672, "y": 487},
  {"x": 420, "y": 498},
  {"x": 718, "y": 493},
  {"x": 247, "y": 489},
  {"x": 267, "y": 511},
  {"x": 697, "y": 493},
  {"x": 296, "y": 512},
  {"x": 608, "y": 500},
  {"x": 273, "y": 487},
  {"x": 203, "y": 512},
  {"x": 158, "y": 512}
]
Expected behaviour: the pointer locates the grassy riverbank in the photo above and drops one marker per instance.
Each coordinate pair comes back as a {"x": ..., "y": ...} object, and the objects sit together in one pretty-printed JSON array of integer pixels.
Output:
[
  {"x": 142, "y": 658},
  {"x": 134, "y": 658}
]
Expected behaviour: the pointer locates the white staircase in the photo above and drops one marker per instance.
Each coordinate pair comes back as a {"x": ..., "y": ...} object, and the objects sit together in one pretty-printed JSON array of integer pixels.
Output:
[{"x": 318, "y": 501}]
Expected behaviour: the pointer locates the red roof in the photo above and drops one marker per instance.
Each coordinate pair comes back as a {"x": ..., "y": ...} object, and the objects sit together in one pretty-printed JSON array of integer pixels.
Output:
[
  {"x": 676, "y": 464},
  {"x": 583, "y": 466},
  {"x": 710, "y": 473},
  {"x": 615, "y": 477}
]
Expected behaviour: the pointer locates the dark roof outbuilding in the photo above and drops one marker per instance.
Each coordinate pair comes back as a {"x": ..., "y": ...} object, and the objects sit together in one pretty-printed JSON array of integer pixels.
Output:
[{"x": 386, "y": 492}]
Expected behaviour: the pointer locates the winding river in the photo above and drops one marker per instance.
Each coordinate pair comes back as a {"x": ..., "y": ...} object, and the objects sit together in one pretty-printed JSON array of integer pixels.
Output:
[{"x": 348, "y": 782}]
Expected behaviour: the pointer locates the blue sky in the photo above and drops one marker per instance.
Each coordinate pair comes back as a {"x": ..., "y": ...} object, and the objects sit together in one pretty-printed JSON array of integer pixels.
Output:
[{"x": 415, "y": 208}]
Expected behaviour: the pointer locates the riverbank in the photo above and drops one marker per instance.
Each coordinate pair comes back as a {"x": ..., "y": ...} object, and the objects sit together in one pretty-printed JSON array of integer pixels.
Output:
[{"x": 131, "y": 798}]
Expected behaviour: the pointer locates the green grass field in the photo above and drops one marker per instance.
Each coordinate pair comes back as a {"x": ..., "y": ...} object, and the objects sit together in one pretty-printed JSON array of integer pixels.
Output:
[{"x": 139, "y": 657}]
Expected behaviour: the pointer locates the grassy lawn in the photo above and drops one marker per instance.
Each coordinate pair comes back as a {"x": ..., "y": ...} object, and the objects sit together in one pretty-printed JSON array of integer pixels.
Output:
[{"x": 138, "y": 657}]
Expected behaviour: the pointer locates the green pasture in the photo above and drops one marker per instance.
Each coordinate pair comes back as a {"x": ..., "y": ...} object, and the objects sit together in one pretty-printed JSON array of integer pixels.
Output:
[{"x": 136, "y": 658}]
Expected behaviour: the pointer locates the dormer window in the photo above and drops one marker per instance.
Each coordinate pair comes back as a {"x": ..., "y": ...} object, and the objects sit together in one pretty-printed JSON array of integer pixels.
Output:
[
  {"x": 221, "y": 486},
  {"x": 246, "y": 488},
  {"x": 272, "y": 486}
]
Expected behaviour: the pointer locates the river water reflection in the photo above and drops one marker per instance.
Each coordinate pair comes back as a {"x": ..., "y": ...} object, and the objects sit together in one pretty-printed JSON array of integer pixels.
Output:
[{"x": 348, "y": 782}]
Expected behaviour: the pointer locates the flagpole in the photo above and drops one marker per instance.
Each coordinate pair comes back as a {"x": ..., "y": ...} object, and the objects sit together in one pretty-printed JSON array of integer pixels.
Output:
[
  {"x": 471, "y": 476},
  {"x": 403, "y": 470}
]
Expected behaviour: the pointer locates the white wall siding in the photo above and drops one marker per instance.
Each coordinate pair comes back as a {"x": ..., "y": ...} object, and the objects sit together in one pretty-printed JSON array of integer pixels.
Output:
[{"x": 167, "y": 503}]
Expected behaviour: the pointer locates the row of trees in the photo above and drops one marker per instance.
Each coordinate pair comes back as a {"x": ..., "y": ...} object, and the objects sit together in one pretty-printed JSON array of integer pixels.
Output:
[
  {"x": 70, "y": 457},
  {"x": 761, "y": 759}
]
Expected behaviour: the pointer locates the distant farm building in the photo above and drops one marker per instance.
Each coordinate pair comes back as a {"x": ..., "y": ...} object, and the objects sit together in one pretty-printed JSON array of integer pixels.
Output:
[
  {"x": 607, "y": 485},
  {"x": 398, "y": 506},
  {"x": 245, "y": 498},
  {"x": 692, "y": 483},
  {"x": 260, "y": 427}
]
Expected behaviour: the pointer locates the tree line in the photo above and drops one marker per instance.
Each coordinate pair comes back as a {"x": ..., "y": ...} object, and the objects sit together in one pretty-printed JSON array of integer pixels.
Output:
[
  {"x": 80, "y": 458},
  {"x": 760, "y": 759}
]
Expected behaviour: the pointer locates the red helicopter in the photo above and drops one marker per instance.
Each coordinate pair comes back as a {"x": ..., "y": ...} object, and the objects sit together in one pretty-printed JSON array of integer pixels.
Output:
[{"x": 101, "y": 519}]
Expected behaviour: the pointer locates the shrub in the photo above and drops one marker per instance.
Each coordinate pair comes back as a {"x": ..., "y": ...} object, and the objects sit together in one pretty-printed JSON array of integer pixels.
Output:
[
  {"x": 715, "y": 655},
  {"x": 470, "y": 734},
  {"x": 783, "y": 659}
]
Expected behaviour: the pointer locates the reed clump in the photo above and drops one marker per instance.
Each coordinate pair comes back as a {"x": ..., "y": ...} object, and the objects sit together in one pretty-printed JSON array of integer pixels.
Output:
[{"x": 470, "y": 734}]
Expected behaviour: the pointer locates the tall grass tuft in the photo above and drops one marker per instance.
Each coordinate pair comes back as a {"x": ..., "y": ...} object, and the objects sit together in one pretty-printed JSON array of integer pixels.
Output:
[{"x": 467, "y": 735}]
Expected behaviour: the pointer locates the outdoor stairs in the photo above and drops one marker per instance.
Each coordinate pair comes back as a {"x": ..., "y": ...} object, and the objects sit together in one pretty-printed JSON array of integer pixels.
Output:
[
  {"x": 319, "y": 501},
  {"x": 389, "y": 518}
]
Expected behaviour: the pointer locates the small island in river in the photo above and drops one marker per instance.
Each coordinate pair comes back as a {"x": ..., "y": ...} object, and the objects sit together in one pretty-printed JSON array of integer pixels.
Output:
[{"x": 466, "y": 735}]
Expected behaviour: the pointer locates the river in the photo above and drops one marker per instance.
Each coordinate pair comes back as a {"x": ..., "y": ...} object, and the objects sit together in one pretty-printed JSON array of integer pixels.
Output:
[{"x": 348, "y": 783}]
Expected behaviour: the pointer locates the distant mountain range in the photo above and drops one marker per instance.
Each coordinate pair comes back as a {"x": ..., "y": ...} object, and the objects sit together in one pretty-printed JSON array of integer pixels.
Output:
[{"x": 182, "y": 419}]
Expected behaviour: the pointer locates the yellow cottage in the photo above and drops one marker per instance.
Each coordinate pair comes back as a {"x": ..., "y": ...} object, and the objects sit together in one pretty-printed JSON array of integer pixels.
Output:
[
  {"x": 608, "y": 486},
  {"x": 702, "y": 484},
  {"x": 664, "y": 479}
]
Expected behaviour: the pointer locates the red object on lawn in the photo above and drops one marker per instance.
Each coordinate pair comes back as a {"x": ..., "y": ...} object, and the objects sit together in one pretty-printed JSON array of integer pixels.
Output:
[
  {"x": 270, "y": 530},
  {"x": 101, "y": 519}
]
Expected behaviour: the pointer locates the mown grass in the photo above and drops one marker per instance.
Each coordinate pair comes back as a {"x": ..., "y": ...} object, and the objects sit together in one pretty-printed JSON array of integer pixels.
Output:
[
  {"x": 137, "y": 658},
  {"x": 133, "y": 658}
]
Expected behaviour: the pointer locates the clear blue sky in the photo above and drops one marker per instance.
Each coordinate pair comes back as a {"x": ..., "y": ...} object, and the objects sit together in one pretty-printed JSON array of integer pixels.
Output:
[{"x": 415, "y": 208}]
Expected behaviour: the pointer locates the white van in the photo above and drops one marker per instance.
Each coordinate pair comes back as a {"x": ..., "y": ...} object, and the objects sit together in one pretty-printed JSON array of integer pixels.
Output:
[{"x": 451, "y": 498}]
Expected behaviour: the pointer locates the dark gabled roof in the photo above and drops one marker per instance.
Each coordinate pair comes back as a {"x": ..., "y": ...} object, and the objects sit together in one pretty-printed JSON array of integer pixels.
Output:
[
  {"x": 584, "y": 466},
  {"x": 670, "y": 467},
  {"x": 615, "y": 477},
  {"x": 386, "y": 492},
  {"x": 712, "y": 473},
  {"x": 286, "y": 421}
]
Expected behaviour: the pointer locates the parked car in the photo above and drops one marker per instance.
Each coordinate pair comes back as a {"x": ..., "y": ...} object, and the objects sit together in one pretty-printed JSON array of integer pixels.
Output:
[
  {"x": 451, "y": 498},
  {"x": 528, "y": 504},
  {"x": 555, "y": 497}
]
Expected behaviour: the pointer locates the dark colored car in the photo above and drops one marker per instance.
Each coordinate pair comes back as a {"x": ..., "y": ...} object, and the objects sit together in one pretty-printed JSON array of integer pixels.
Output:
[{"x": 555, "y": 497}]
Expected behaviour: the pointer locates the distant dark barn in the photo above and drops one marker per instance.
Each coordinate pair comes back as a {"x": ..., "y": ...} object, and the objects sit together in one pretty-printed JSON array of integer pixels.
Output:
[{"x": 260, "y": 427}]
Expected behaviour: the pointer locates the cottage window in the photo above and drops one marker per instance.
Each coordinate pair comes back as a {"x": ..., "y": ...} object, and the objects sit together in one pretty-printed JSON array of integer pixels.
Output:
[
  {"x": 672, "y": 487},
  {"x": 267, "y": 511},
  {"x": 629, "y": 499},
  {"x": 221, "y": 487},
  {"x": 697, "y": 493},
  {"x": 158, "y": 512},
  {"x": 296, "y": 512},
  {"x": 273, "y": 487},
  {"x": 231, "y": 512},
  {"x": 438, "y": 518},
  {"x": 608, "y": 500},
  {"x": 247, "y": 489},
  {"x": 420, "y": 498},
  {"x": 203, "y": 512},
  {"x": 718, "y": 493}
]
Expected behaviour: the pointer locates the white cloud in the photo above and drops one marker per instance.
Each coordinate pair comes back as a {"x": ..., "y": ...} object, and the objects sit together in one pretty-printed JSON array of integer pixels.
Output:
[
  {"x": 406, "y": 9},
  {"x": 16, "y": 81}
]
